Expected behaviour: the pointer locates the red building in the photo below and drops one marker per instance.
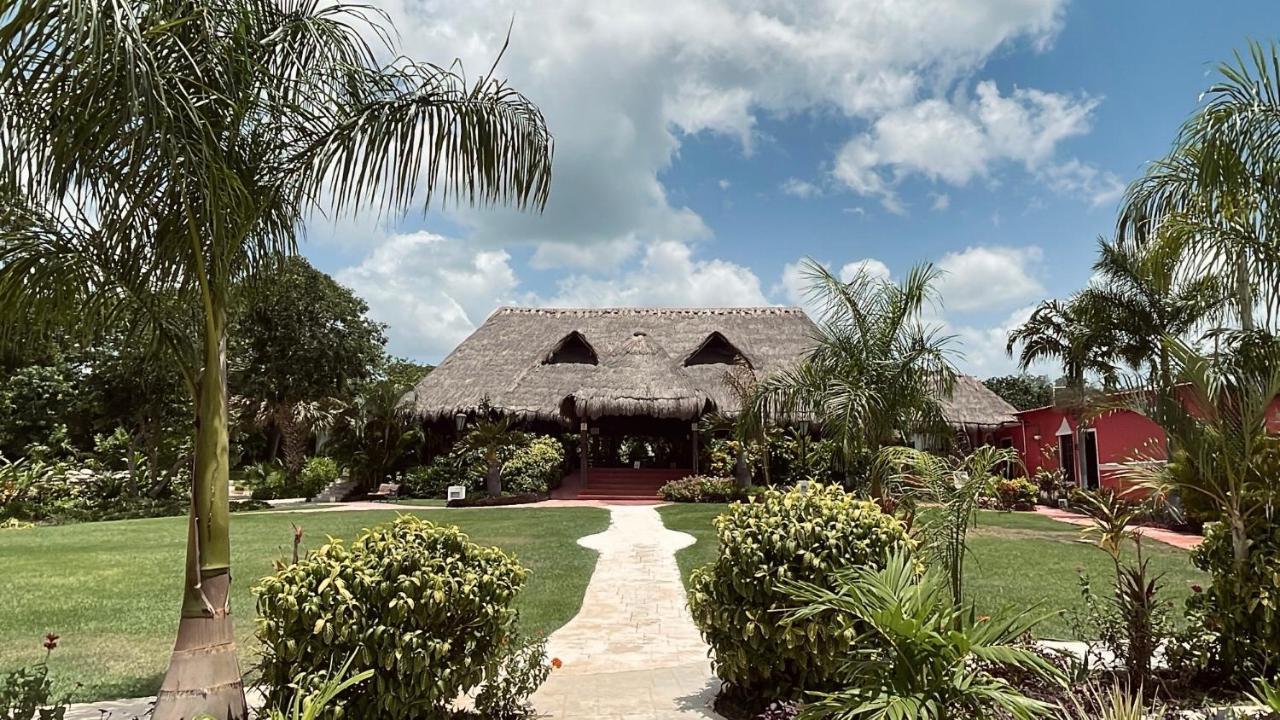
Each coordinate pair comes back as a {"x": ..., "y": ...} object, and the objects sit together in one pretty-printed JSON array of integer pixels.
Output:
[{"x": 1046, "y": 437}]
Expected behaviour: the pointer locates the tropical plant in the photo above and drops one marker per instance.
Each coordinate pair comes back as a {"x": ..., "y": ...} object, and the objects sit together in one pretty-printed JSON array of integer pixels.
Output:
[
  {"x": 216, "y": 128},
  {"x": 747, "y": 426},
  {"x": 533, "y": 466},
  {"x": 376, "y": 432},
  {"x": 489, "y": 439},
  {"x": 1215, "y": 192},
  {"x": 523, "y": 668},
  {"x": 952, "y": 488},
  {"x": 1267, "y": 695},
  {"x": 312, "y": 705},
  {"x": 917, "y": 654},
  {"x": 1114, "y": 703},
  {"x": 27, "y": 693},
  {"x": 1133, "y": 621},
  {"x": 1219, "y": 415},
  {"x": 876, "y": 374}
]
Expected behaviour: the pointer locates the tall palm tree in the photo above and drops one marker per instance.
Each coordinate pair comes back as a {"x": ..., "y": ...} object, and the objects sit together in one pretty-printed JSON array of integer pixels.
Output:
[
  {"x": 747, "y": 426},
  {"x": 876, "y": 374},
  {"x": 159, "y": 151},
  {"x": 1142, "y": 297},
  {"x": 1217, "y": 188},
  {"x": 1078, "y": 335}
]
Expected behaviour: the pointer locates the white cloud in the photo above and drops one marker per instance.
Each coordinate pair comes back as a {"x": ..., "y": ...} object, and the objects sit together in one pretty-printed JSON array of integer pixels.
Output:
[
  {"x": 1081, "y": 179},
  {"x": 989, "y": 277},
  {"x": 622, "y": 84},
  {"x": 724, "y": 183},
  {"x": 982, "y": 350},
  {"x": 871, "y": 266},
  {"x": 432, "y": 291},
  {"x": 941, "y": 201},
  {"x": 800, "y": 188},
  {"x": 953, "y": 142},
  {"x": 669, "y": 276}
]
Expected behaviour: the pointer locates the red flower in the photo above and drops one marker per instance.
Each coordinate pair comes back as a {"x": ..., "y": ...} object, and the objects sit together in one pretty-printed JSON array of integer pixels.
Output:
[
  {"x": 50, "y": 641},
  {"x": 557, "y": 663},
  {"x": 1196, "y": 588}
]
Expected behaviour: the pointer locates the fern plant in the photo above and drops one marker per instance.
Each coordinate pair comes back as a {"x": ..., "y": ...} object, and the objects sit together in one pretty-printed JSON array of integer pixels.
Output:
[{"x": 919, "y": 655}]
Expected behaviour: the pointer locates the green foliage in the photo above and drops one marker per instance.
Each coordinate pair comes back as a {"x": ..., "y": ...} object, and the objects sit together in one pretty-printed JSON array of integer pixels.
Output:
[
  {"x": 1023, "y": 391},
  {"x": 36, "y": 490},
  {"x": 421, "y": 605},
  {"x": 702, "y": 489},
  {"x": 535, "y": 466},
  {"x": 35, "y": 402},
  {"x": 916, "y": 654},
  {"x": 777, "y": 537},
  {"x": 1242, "y": 609},
  {"x": 433, "y": 479},
  {"x": 316, "y": 474},
  {"x": 520, "y": 672},
  {"x": 312, "y": 705},
  {"x": 876, "y": 373},
  {"x": 1014, "y": 493}
]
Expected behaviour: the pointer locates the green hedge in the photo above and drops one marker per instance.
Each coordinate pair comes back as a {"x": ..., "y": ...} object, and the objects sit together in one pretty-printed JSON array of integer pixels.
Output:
[
  {"x": 419, "y": 604},
  {"x": 736, "y": 602}
]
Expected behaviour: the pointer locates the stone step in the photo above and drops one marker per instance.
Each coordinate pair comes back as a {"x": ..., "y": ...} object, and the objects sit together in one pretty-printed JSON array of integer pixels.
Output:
[{"x": 336, "y": 491}]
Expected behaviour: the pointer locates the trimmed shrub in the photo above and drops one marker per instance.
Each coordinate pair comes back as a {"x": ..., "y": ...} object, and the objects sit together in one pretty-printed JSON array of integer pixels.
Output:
[
  {"x": 480, "y": 500},
  {"x": 316, "y": 475},
  {"x": 433, "y": 480},
  {"x": 802, "y": 536},
  {"x": 421, "y": 605},
  {"x": 534, "y": 468},
  {"x": 702, "y": 489},
  {"x": 1014, "y": 494}
]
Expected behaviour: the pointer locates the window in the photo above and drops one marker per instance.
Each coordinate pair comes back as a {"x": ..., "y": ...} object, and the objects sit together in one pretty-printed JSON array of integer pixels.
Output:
[
  {"x": 572, "y": 348},
  {"x": 716, "y": 350}
]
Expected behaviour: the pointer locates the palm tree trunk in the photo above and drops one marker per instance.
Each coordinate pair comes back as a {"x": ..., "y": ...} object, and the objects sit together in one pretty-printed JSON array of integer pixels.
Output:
[
  {"x": 741, "y": 468},
  {"x": 204, "y": 675},
  {"x": 493, "y": 479},
  {"x": 1244, "y": 292}
]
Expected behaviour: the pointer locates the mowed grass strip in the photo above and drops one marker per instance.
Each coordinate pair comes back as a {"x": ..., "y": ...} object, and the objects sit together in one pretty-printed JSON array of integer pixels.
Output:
[
  {"x": 112, "y": 589},
  {"x": 1017, "y": 560}
]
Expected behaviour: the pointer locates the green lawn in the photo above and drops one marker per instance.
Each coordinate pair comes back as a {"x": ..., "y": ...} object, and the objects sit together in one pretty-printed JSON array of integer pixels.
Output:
[
  {"x": 1018, "y": 559},
  {"x": 112, "y": 589}
]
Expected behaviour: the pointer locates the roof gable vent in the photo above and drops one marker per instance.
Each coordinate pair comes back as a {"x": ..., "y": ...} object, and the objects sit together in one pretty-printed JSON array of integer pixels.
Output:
[
  {"x": 572, "y": 349},
  {"x": 716, "y": 350}
]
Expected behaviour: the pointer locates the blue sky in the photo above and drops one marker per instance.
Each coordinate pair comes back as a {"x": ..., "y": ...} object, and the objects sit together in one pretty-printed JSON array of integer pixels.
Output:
[{"x": 704, "y": 149}]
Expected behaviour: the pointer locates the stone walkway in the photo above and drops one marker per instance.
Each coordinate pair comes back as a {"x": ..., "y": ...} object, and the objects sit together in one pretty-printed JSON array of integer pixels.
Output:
[
  {"x": 1185, "y": 541},
  {"x": 632, "y": 652}
]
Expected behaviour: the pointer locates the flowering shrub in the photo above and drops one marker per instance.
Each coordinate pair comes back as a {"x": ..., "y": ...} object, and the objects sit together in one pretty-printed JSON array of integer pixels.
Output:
[
  {"x": 1014, "y": 493},
  {"x": 801, "y": 536},
  {"x": 421, "y": 605},
  {"x": 701, "y": 489}
]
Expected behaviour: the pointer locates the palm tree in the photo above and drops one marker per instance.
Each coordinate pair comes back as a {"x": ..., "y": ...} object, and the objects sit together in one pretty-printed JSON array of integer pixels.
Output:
[
  {"x": 158, "y": 152},
  {"x": 951, "y": 488},
  {"x": 489, "y": 439},
  {"x": 1216, "y": 190},
  {"x": 747, "y": 426},
  {"x": 1143, "y": 297},
  {"x": 876, "y": 374},
  {"x": 1080, "y": 336}
]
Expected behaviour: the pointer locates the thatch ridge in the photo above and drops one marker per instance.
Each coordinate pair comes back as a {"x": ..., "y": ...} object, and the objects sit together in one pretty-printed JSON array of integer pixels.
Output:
[{"x": 974, "y": 404}]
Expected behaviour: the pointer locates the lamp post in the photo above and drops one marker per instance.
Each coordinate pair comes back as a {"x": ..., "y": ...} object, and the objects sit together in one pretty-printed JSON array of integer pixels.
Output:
[{"x": 460, "y": 421}]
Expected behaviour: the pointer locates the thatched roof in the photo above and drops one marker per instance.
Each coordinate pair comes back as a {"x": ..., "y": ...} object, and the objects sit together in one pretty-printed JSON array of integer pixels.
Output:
[
  {"x": 657, "y": 362},
  {"x": 972, "y": 403}
]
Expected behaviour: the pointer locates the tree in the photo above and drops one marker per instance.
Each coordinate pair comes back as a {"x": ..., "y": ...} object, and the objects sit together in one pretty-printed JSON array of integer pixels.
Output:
[
  {"x": 299, "y": 339},
  {"x": 1142, "y": 298},
  {"x": 1215, "y": 192},
  {"x": 157, "y": 153},
  {"x": 876, "y": 374},
  {"x": 488, "y": 439},
  {"x": 1023, "y": 391}
]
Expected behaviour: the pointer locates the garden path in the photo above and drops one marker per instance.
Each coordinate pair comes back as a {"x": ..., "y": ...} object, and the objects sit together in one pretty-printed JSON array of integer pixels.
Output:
[
  {"x": 1185, "y": 541},
  {"x": 632, "y": 652}
]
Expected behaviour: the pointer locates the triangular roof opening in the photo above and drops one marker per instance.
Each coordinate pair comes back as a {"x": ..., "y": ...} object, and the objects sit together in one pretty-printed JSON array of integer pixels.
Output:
[
  {"x": 716, "y": 350},
  {"x": 572, "y": 348}
]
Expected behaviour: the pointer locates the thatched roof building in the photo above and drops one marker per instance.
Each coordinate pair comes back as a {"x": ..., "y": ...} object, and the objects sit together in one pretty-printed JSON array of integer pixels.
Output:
[
  {"x": 559, "y": 364},
  {"x": 973, "y": 404}
]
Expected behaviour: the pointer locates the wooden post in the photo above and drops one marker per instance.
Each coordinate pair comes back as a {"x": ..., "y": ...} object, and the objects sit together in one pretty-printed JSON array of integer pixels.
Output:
[
  {"x": 693, "y": 430},
  {"x": 584, "y": 439}
]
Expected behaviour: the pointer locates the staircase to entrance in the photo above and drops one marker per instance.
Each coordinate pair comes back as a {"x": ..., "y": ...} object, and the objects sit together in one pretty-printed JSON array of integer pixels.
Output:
[{"x": 619, "y": 484}]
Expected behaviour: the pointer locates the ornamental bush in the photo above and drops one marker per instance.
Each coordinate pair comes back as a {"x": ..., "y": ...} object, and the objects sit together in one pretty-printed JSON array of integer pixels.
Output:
[
  {"x": 803, "y": 536},
  {"x": 1014, "y": 493},
  {"x": 534, "y": 468},
  {"x": 1243, "y": 610},
  {"x": 419, "y": 604},
  {"x": 702, "y": 489},
  {"x": 316, "y": 475}
]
